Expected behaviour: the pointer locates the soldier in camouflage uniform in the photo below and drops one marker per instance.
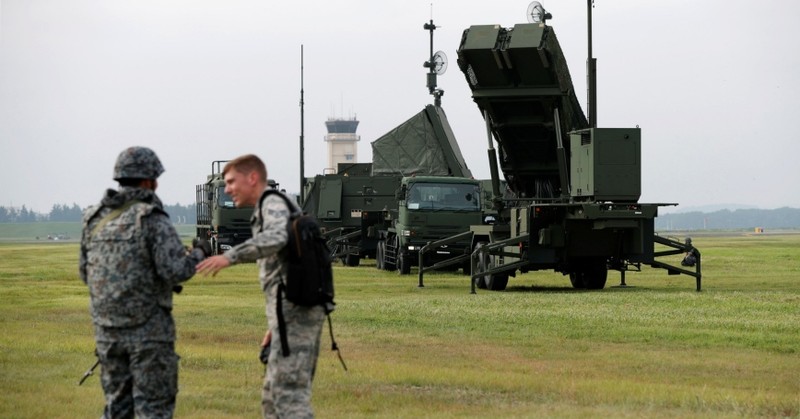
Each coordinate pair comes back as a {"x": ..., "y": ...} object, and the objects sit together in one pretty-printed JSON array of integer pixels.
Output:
[
  {"x": 132, "y": 259},
  {"x": 287, "y": 384}
]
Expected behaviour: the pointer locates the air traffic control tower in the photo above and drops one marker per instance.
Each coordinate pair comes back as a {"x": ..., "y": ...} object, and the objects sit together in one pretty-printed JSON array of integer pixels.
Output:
[{"x": 342, "y": 142}]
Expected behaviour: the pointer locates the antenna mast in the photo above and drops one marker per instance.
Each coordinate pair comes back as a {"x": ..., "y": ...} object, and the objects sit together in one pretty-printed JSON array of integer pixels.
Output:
[
  {"x": 302, "y": 132},
  {"x": 436, "y": 66},
  {"x": 591, "y": 72}
]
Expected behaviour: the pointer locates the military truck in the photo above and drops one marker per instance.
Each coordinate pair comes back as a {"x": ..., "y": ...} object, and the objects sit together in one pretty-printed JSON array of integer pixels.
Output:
[
  {"x": 360, "y": 206},
  {"x": 575, "y": 187},
  {"x": 429, "y": 208},
  {"x": 352, "y": 207},
  {"x": 218, "y": 219}
]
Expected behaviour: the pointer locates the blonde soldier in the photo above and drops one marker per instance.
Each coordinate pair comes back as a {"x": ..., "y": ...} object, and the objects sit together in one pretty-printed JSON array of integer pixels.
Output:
[
  {"x": 132, "y": 259},
  {"x": 287, "y": 384}
]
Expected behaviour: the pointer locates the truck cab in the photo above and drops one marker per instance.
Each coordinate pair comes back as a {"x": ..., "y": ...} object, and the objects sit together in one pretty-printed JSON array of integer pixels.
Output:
[{"x": 429, "y": 208}]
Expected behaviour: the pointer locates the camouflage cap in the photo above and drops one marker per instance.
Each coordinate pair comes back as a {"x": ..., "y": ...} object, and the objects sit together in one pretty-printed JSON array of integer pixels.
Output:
[{"x": 137, "y": 163}]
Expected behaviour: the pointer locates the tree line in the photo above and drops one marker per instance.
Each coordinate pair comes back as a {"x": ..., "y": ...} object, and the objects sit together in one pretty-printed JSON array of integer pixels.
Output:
[
  {"x": 780, "y": 218},
  {"x": 719, "y": 220},
  {"x": 179, "y": 214}
]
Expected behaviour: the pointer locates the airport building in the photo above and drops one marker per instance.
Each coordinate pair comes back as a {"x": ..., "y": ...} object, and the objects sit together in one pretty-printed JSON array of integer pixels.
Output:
[{"x": 342, "y": 142}]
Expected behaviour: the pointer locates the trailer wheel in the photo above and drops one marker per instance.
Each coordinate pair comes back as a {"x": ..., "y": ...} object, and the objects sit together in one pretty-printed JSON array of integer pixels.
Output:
[
  {"x": 577, "y": 279},
  {"x": 494, "y": 282},
  {"x": 497, "y": 282},
  {"x": 483, "y": 263},
  {"x": 591, "y": 274}
]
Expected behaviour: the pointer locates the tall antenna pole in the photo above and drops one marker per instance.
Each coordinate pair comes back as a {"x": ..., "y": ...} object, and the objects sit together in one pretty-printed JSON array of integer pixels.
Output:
[
  {"x": 591, "y": 73},
  {"x": 302, "y": 132}
]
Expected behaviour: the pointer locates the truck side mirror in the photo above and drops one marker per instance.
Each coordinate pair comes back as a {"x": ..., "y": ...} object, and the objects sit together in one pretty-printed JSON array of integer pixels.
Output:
[{"x": 400, "y": 195}]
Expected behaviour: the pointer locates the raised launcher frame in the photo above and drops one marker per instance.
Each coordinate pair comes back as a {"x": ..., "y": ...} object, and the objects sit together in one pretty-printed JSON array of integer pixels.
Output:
[{"x": 577, "y": 210}]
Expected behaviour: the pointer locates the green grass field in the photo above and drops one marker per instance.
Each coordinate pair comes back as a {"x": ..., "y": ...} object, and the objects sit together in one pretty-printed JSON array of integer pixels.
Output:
[
  {"x": 28, "y": 232},
  {"x": 655, "y": 349},
  {"x": 38, "y": 232}
]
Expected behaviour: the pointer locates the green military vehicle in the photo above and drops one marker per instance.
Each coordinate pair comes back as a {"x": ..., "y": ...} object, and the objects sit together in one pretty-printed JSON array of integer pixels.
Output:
[
  {"x": 218, "y": 219},
  {"x": 352, "y": 207},
  {"x": 429, "y": 208},
  {"x": 361, "y": 206},
  {"x": 574, "y": 188}
]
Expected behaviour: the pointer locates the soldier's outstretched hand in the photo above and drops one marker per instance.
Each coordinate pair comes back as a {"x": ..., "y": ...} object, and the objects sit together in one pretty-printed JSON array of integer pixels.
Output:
[{"x": 212, "y": 265}]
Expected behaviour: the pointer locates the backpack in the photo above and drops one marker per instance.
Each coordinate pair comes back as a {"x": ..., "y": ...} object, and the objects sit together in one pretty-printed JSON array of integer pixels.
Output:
[
  {"x": 310, "y": 276},
  {"x": 309, "y": 280}
]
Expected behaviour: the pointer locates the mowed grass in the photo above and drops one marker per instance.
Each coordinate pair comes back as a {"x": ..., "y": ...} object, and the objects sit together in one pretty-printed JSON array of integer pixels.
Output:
[{"x": 655, "y": 349}]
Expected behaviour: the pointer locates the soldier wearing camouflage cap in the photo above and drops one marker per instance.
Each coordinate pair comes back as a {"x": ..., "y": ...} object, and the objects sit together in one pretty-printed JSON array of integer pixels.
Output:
[{"x": 132, "y": 259}]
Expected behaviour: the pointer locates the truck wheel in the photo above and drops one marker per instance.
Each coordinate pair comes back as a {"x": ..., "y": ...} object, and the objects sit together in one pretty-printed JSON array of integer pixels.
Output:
[
  {"x": 352, "y": 259},
  {"x": 403, "y": 263},
  {"x": 379, "y": 250}
]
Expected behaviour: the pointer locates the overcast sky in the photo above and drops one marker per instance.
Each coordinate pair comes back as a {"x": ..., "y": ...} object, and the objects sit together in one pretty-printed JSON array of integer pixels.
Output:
[{"x": 714, "y": 86}]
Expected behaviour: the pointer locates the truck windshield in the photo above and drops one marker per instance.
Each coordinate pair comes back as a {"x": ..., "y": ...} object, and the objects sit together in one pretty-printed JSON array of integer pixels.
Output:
[
  {"x": 443, "y": 196},
  {"x": 224, "y": 200}
]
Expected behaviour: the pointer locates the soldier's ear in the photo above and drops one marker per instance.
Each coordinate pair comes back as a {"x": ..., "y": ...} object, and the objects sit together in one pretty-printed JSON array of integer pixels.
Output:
[
  {"x": 148, "y": 184},
  {"x": 252, "y": 177}
]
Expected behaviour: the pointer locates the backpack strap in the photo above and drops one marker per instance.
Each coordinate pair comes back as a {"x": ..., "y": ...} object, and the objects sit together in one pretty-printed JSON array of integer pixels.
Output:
[
  {"x": 334, "y": 346},
  {"x": 111, "y": 216},
  {"x": 285, "y": 339},
  {"x": 293, "y": 208},
  {"x": 282, "y": 322}
]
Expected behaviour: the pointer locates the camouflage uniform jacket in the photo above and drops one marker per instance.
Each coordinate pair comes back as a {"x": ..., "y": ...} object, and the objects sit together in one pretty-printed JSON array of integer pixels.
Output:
[
  {"x": 131, "y": 265},
  {"x": 266, "y": 245}
]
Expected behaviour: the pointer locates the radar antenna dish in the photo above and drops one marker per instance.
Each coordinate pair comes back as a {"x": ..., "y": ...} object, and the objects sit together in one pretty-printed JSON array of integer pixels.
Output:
[
  {"x": 536, "y": 13},
  {"x": 439, "y": 62}
]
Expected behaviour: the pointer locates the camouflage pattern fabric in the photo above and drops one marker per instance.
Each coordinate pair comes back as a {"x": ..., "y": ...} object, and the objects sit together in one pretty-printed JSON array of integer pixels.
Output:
[
  {"x": 140, "y": 379},
  {"x": 286, "y": 392},
  {"x": 287, "y": 384},
  {"x": 131, "y": 265},
  {"x": 137, "y": 163}
]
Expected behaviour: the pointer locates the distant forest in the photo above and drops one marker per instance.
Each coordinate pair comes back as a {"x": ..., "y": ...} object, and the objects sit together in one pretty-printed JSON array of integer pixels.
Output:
[
  {"x": 781, "y": 218},
  {"x": 179, "y": 214}
]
